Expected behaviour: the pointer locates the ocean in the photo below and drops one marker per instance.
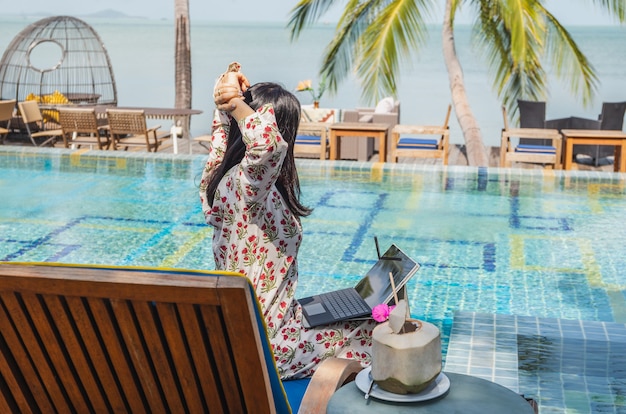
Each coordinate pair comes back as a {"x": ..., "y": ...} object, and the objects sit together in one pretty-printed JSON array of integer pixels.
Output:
[{"x": 142, "y": 56}]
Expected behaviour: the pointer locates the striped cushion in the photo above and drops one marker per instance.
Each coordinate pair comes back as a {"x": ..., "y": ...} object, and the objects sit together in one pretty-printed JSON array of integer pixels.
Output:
[
  {"x": 538, "y": 149},
  {"x": 308, "y": 140},
  {"x": 418, "y": 143}
]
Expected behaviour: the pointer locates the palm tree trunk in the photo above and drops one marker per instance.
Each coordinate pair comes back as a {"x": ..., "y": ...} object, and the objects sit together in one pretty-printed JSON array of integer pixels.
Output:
[
  {"x": 182, "y": 59},
  {"x": 476, "y": 152}
]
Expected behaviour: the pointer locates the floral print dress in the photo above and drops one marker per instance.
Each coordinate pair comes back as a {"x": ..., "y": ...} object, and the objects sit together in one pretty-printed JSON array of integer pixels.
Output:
[{"x": 256, "y": 234}]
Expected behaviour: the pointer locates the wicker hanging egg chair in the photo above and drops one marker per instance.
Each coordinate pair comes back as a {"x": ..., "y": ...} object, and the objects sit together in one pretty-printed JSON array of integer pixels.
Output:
[{"x": 58, "y": 58}]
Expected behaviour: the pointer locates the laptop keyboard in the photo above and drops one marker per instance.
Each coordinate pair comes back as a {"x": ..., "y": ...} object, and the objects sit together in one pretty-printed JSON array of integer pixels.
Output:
[{"x": 345, "y": 303}]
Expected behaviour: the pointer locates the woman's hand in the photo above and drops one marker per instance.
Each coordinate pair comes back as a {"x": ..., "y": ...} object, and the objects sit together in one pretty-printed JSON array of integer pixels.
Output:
[
  {"x": 231, "y": 85},
  {"x": 228, "y": 93}
]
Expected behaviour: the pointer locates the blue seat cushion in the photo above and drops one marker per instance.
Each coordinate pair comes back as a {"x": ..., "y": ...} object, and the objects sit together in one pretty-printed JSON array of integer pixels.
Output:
[
  {"x": 538, "y": 149},
  {"x": 418, "y": 143},
  {"x": 295, "y": 391},
  {"x": 308, "y": 140}
]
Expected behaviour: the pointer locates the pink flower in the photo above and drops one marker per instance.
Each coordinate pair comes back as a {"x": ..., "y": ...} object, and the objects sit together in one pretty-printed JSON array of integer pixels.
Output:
[{"x": 380, "y": 313}]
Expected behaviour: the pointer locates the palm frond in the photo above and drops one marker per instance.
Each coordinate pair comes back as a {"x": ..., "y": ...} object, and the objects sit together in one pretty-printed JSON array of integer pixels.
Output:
[
  {"x": 306, "y": 12},
  {"x": 340, "y": 53},
  {"x": 616, "y": 8},
  {"x": 512, "y": 36},
  {"x": 395, "y": 30},
  {"x": 568, "y": 60}
]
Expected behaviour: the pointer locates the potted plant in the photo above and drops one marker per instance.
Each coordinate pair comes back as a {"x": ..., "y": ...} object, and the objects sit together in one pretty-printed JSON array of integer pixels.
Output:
[{"x": 307, "y": 85}]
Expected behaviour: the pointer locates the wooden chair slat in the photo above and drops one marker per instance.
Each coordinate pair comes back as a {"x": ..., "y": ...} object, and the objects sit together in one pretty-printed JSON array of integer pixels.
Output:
[
  {"x": 177, "y": 340},
  {"x": 82, "y": 316},
  {"x": 20, "y": 379},
  {"x": 69, "y": 345},
  {"x": 250, "y": 359},
  {"x": 227, "y": 379},
  {"x": 54, "y": 350},
  {"x": 151, "y": 328},
  {"x": 31, "y": 358},
  {"x": 116, "y": 352},
  {"x": 203, "y": 358},
  {"x": 138, "y": 355}
]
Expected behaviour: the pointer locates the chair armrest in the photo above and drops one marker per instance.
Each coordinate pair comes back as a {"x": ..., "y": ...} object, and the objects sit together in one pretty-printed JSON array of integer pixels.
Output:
[
  {"x": 329, "y": 377},
  {"x": 390, "y": 118},
  {"x": 533, "y": 133},
  {"x": 350, "y": 115},
  {"x": 420, "y": 129}
]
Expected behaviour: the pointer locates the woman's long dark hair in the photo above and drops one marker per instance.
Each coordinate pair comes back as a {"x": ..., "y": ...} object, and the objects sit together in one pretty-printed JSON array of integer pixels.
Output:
[{"x": 287, "y": 111}]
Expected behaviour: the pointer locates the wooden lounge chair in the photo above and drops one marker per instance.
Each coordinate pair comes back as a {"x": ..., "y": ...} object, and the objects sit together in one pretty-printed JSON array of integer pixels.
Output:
[
  {"x": 403, "y": 146},
  {"x": 34, "y": 123},
  {"x": 6, "y": 114},
  {"x": 80, "y": 127},
  {"x": 312, "y": 138},
  {"x": 128, "y": 128},
  {"x": 85, "y": 339},
  {"x": 528, "y": 153}
]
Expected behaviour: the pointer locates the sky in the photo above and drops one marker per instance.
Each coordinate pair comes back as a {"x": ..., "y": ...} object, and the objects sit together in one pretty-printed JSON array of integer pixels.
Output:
[{"x": 569, "y": 12}]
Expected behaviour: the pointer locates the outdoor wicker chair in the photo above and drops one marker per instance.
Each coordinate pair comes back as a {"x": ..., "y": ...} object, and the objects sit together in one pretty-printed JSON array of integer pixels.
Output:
[
  {"x": 35, "y": 125},
  {"x": 6, "y": 114},
  {"x": 128, "y": 128},
  {"x": 80, "y": 127}
]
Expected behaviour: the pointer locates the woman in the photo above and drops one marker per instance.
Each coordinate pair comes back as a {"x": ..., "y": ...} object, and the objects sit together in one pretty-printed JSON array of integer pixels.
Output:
[{"x": 250, "y": 195}]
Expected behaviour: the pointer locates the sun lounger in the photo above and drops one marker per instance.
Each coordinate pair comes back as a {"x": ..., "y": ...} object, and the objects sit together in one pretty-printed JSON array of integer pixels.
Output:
[{"x": 86, "y": 339}]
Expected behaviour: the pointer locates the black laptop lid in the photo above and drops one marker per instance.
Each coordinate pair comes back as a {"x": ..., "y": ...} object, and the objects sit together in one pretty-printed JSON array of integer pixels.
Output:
[{"x": 375, "y": 287}]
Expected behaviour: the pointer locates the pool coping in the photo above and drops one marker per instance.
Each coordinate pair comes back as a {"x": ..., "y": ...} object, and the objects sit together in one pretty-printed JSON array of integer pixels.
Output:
[{"x": 344, "y": 165}]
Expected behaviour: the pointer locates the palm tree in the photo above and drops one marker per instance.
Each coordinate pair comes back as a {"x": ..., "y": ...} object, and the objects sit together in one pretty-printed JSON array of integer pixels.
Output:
[
  {"x": 517, "y": 37},
  {"x": 182, "y": 55}
]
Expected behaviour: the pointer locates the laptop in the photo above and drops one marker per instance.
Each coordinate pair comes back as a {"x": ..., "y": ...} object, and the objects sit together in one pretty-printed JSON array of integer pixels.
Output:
[{"x": 357, "y": 302}]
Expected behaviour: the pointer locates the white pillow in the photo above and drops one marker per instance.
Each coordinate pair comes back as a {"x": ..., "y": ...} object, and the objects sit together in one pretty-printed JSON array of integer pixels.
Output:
[{"x": 385, "y": 106}]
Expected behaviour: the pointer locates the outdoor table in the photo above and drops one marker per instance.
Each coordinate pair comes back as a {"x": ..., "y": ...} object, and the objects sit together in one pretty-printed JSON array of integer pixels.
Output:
[
  {"x": 595, "y": 137},
  {"x": 358, "y": 129},
  {"x": 467, "y": 394}
]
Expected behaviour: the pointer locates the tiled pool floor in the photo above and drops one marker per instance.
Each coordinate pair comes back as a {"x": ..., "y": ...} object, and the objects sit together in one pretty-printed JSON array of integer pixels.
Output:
[{"x": 567, "y": 366}]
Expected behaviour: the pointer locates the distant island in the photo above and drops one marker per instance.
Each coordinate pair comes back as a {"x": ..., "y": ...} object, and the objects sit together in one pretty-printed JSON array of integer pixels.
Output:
[
  {"x": 102, "y": 14},
  {"x": 112, "y": 14}
]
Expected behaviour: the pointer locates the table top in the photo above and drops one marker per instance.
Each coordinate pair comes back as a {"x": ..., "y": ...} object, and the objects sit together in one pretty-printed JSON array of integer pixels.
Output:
[
  {"x": 361, "y": 126},
  {"x": 593, "y": 133},
  {"x": 467, "y": 394},
  {"x": 150, "y": 111}
]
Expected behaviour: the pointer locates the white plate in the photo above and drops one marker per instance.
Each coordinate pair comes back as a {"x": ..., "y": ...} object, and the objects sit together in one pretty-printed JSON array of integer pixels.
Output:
[{"x": 436, "y": 389}]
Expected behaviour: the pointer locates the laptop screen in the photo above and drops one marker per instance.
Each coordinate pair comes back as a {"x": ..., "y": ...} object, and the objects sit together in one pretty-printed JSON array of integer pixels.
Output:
[{"x": 375, "y": 287}]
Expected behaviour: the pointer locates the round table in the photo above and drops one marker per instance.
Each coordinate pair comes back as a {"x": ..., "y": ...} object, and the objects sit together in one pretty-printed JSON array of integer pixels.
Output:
[{"x": 467, "y": 394}]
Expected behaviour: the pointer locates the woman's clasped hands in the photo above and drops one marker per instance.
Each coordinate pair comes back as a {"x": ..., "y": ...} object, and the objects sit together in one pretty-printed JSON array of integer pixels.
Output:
[{"x": 231, "y": 85}]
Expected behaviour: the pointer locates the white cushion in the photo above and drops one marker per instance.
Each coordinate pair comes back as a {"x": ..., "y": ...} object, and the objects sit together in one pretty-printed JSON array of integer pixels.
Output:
[{"x": 385, "y": 106}]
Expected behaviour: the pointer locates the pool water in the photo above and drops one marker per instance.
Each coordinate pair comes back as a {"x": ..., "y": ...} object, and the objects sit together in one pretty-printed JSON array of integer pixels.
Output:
[{"x": 528, "y": 243}]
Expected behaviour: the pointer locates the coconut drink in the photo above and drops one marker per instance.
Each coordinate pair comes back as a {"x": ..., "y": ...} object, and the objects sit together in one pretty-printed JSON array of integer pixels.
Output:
[{"x": 406, "y": 353}]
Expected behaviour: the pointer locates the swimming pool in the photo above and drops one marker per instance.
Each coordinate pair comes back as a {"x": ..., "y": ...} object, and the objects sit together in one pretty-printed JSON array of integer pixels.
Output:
[{"x": 528, "y": 243}]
